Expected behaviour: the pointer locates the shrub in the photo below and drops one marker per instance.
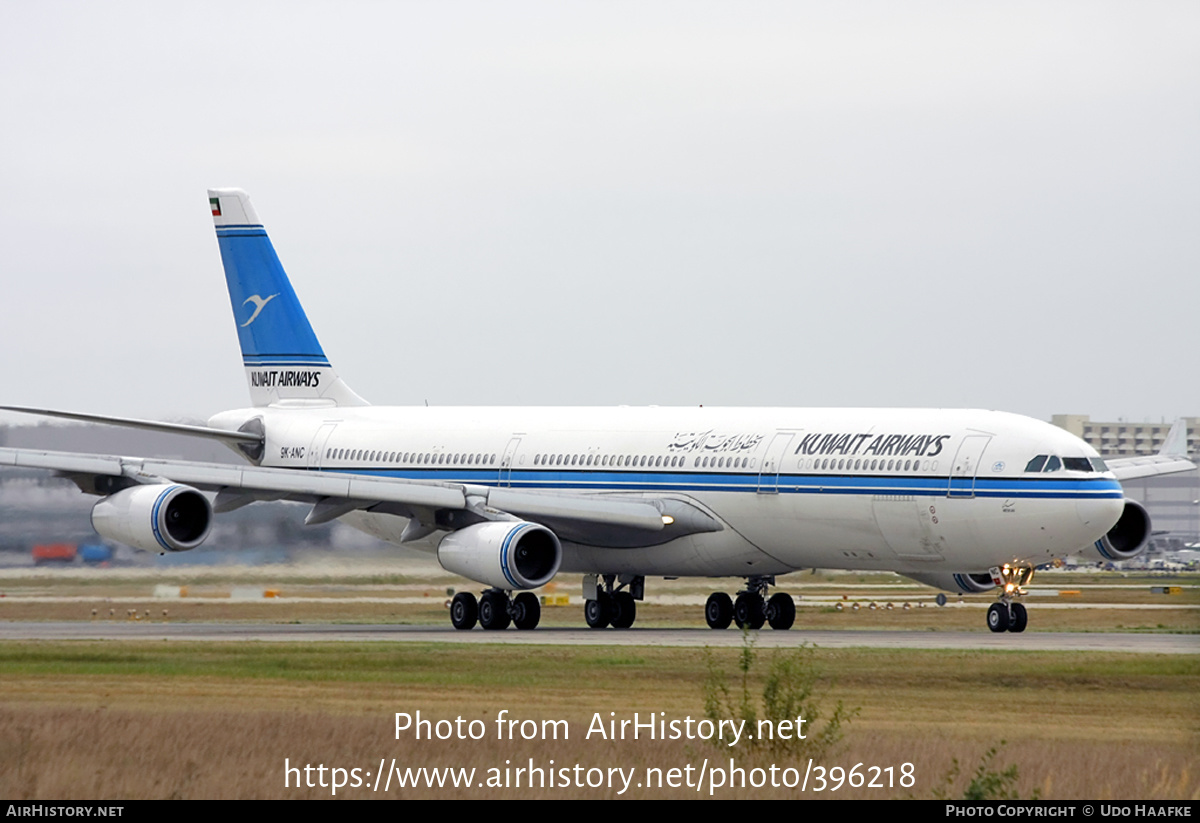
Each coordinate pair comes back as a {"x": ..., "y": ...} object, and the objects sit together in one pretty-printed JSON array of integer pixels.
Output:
[{"x": 789, "y": 692}]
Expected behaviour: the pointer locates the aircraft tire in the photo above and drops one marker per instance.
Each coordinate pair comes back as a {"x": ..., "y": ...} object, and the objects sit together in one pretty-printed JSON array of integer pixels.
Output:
[
  {"x": 464, "y": 611},
  {"x": 624, "y": 610},
  {"x": 749, "y": 611},
  {"x": 997, "y": 617},
  {"x": 781, "y": 611},
  {"x": 493, "y": 612},
  {"x": 527, "y": 611},
  {"x": 597, "y": 612},
  {"x": 1020, "y": 618},
  {"x": 718, "y": 611}
]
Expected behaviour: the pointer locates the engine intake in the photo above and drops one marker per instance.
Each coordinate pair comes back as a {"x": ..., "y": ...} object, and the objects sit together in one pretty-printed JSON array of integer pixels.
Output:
[
  {"x": 1127, "y": 539},
  {"x": 504, "y": 554},
  {"x": 156, "y": 518}
]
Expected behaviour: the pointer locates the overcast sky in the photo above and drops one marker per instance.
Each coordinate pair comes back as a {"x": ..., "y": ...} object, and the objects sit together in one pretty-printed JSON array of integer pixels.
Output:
[{"x": 950, "y": 204}]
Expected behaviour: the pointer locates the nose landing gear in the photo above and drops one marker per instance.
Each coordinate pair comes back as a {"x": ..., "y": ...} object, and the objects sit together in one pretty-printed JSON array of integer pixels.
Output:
[{"x": 1007, "y": 615}]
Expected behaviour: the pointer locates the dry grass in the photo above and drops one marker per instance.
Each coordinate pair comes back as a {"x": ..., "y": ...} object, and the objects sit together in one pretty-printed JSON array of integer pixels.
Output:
[
  {"x": 88, "y": 754},
  {"x": 130, "y": 720}
]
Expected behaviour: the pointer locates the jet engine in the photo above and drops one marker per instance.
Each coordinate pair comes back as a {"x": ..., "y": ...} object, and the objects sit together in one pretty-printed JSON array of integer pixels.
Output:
[
  {"x": 1125, "y": 540},
  {"x": 956, "y": 581},
  {"x": 504, "y": 554},
  {"x": 164, "y": 517}
]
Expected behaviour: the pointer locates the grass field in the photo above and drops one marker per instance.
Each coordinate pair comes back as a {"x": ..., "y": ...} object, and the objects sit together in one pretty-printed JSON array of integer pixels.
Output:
[
  {"x": 125, "y": 720},
  {"x": 128, "y": 720}
]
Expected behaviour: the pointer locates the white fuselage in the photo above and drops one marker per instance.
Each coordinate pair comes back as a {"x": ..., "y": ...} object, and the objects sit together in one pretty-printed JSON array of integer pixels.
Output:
[{"x": 907, "y": 490}]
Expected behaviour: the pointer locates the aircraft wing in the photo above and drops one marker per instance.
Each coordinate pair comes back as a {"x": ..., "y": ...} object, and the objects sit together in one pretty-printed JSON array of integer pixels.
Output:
[
  {"x": 333, "y": 494},
  {"x": 1131, "y": 468},
  {"x": 1171, "y": 458}
]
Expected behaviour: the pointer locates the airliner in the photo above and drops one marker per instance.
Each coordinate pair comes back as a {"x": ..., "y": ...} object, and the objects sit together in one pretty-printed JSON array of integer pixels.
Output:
[{"x": 511, "y": 498}]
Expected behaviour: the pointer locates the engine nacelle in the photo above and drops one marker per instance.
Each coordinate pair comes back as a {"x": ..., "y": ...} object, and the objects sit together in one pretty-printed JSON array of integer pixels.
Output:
[
  {"x": 1125, "y": 540},
  {"x": 956, "y": 581},
  {"x": 503, "y": 554},
  {"x": 156, "y": 518}
]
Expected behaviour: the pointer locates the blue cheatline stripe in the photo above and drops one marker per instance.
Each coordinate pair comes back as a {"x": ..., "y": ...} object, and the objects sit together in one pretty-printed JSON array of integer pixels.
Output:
[
  {"x": 504, "y": 554},
  {"x": 154, "y": 517},
  {"x": 254, "y": 361},
  {"x": 243, "y": 232},
  {"x": 933, "y": 486}
]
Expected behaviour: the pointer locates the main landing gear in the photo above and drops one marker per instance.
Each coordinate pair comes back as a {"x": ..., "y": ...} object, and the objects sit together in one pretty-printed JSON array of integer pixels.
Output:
[
  {"x": 1007, "y": 615},
  {"x": 495, "y": 610},
  {"x": 751, "y": 609},
  {"x": 611, "y": 600}
]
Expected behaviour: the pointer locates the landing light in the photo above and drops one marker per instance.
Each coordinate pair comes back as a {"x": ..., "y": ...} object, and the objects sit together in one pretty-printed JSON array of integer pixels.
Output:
[{"x": 667, "y": 519}]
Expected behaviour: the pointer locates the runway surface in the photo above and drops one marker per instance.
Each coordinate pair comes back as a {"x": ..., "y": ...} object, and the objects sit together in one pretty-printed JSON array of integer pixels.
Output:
[{"x": 339, "y": 633}]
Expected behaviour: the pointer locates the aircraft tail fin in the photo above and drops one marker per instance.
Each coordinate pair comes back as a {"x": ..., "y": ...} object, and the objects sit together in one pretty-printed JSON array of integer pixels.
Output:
[{"x": 285, "y": 364}]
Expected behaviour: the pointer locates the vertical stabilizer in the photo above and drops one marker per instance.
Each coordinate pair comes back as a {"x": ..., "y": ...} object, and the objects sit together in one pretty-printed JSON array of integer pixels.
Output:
[{"x": 284, "y": 361}]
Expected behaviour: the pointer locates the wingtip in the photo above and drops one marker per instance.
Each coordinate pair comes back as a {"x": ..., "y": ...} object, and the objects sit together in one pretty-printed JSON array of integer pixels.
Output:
[{"x": 1175, "y": 444}]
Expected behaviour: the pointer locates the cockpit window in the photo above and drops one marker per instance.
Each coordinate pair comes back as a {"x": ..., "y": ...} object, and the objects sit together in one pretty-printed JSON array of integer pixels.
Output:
[
  {"x": 1035, "y": 465},
  {"x": 1077, "y": 464},
  {"x": 1053, "y": 464},
  {"x": 1098, "y": 464}
]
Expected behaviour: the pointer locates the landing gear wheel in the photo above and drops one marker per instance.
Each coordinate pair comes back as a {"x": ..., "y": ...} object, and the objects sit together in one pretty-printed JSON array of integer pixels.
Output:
[
  {"x": 493, "y": 611},
  {"x": 1019, "y": 618},
  {"x": 464, "y": 611},
  {"x": 718, "y": 611},
  {"x": 526, "y": 611},
  {"x": 596, "y": 612},
  {"x": 781, "y": 611},
  {"x": 997, "y": 617},
  {"x": 749, "y": 611},
  {"x": 624, "y": 610}
]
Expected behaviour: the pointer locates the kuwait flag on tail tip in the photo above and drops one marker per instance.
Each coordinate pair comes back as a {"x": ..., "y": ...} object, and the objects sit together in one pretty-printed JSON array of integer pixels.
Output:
[{"x": 216, "y": 206}]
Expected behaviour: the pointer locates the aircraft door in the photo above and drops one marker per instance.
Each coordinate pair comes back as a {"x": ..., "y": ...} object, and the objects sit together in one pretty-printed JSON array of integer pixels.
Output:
[
  {"x": 768, "y": 472},
  {"x": 316, "y": 449},
  {"x": 965, "y": 465},
  {"x": 506, "y": 461}
]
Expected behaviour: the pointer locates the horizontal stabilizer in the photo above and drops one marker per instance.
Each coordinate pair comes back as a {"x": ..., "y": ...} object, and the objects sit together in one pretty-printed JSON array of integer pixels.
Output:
[{"x": 224, "y": 435}]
